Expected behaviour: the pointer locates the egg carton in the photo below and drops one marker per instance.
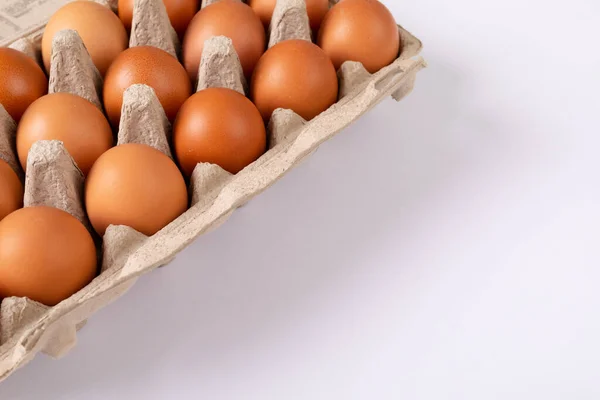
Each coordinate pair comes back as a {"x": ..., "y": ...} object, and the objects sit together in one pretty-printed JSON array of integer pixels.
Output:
[{"x": 53, "y": 178}]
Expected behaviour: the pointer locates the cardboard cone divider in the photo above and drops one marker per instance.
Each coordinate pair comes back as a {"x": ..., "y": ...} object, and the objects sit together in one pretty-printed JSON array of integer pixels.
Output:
[
  {"x": 52, "y": 178},
  {"x": 289, "y": 21},
  {"x": 72, "y": 69},
  {"x": 28, "y": 47},
  {"x": 206, "y": 3},
  {"x": 150, "y": 26},
  {"x": 220, "y": 66},
  {"x": 8, "y": 133}
]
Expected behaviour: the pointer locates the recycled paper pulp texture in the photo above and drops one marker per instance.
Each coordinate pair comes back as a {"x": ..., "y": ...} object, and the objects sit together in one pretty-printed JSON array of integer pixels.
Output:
[{"x": 27, "y": 327}]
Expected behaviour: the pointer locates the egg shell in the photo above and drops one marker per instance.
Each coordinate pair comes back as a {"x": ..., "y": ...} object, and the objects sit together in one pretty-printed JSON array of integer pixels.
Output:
[
  {"x": 360, "y": 30},
  {"x": 180, "y": 13},
  {"x": 218, "y": 126},
  {"x": 100, "y": 29},
  {"x": 22, "y": 81},
  {"x": 230, "y": 18},
  {"x": 69, "y": 118},
  {"x": 11, "y": 190},
  {"x": 137, "y": 186},
  {"x": 150, "y": 66},
  {"x": 46, "y": 254},
  {"x": 297, "y": 75},
  {"x": 316, "y": 10}
]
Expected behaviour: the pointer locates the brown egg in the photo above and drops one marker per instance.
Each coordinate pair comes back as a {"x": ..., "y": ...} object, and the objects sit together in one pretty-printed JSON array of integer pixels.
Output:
[
  {"x": 360, "y": 30},
  {"x": 218, "y": 126},
  {"x": 137, "y": 186},
  {"x": 100, "y": 29},
  {"x": 230, "y": 18},
  {"x": 180, "y": 13},
  {"x": 153, "y": 67},
  {"x": 75, "y": 121},
  {"x": 46, "y": 254},
  {"x": 21, "y": 81},
  {"x": 11, "y": 190},
  {"x": 297, "y": 75},
  {"x": 316, "y": 10}
]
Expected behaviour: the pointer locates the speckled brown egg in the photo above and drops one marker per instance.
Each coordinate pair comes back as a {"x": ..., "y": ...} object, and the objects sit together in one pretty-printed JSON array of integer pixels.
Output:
[
  {"x": 137, "y": 186},
  {"x": 297, "y": 75},
  {"x": 75, "y": 121},
  {"x": 21, "y": 81},
  {"x": 11, "y": 190},
  {"x": 180, "y": 13},
  {"x": 218, "y": 126},
  {"x": 153, "y": 67},
  {"x": 360, "y": 30},
  {"x": 46, "y": 254},
  {"x": 100, "y": 29},
  {"x": 316, "y": 10},
  {"x": 230, "y": 18}
]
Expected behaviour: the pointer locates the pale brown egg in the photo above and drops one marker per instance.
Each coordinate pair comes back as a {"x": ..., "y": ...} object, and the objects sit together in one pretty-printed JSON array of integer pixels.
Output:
[
  {"x": 316, "y": 10},
  {"x": 180, "y": 13},
  {"x": 11, "y": 190},
  {"x": 100, "y": 29},
  {"x": 297, "y": 75},
  {"x": 153, "y": 67},
  {"x": 230, "y": 18},
  {"x": 21, "y": 82},
  {"x": 71, "y": 119},
  {"x": 46, "y": 254},
  {"x": 218, "y": 126},
  {"x": 137, "y": 186},
  {"x": 360, "y": 30}
]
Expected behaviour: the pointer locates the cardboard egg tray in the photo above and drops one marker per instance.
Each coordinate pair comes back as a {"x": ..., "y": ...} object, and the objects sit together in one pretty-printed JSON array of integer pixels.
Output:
[{"x": 53, "y": 179}]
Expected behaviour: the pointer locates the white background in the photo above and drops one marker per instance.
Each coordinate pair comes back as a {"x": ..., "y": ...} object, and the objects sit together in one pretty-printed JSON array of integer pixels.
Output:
[{"x": 444, "y": 247}]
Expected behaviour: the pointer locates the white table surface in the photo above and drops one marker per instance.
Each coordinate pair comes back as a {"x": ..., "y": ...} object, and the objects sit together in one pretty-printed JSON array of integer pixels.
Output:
[{"x": 444, "y": 247}]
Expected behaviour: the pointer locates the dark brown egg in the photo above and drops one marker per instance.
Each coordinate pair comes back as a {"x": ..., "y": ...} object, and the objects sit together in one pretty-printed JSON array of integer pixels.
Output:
[
  {"x": 46, "y": 254},
  {"x": 153, "y": 67},
  {"x": 71, "y": 119},
  {"x": 137, "y": 186},
  {"x": 180, "y": 13},
  {"x": 297, "y": 75},
  {"x": 218, "y": 126},
  {"x": 360, "y": 30},
  {"x": 230, "y": 18},
  {"x": 22, "y": 81}
]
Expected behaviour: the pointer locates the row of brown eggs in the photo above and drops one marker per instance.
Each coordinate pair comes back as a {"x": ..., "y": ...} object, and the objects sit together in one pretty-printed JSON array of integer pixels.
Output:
[{"x": 137, "y": 185}]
